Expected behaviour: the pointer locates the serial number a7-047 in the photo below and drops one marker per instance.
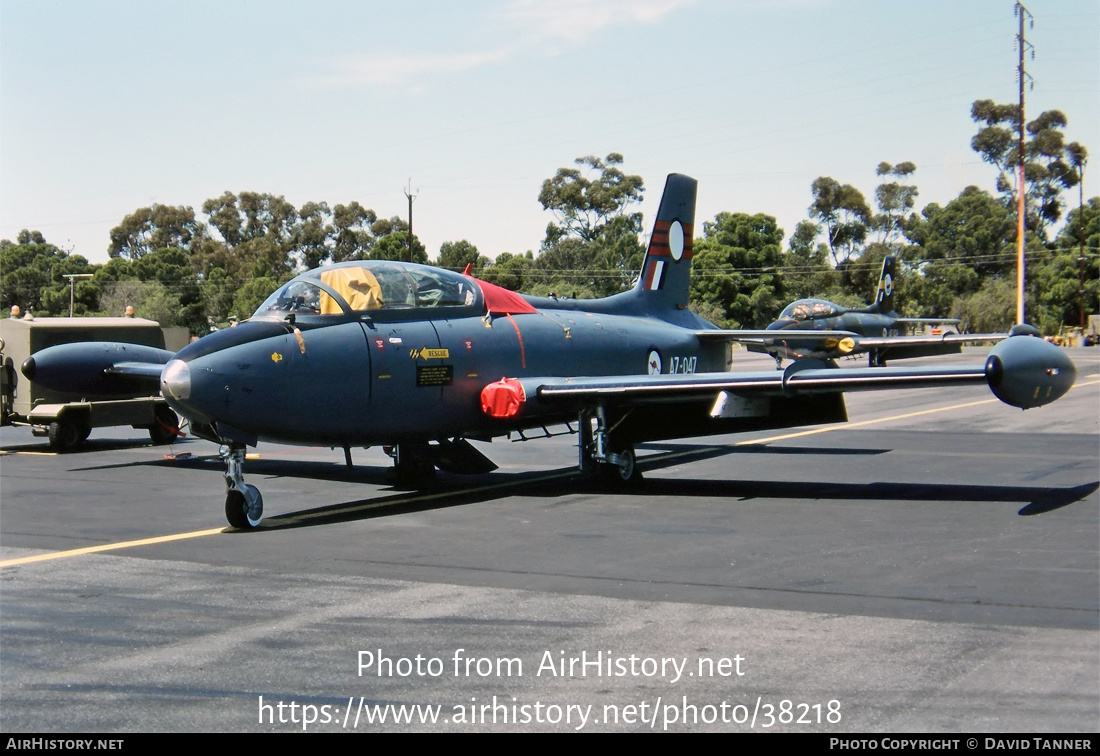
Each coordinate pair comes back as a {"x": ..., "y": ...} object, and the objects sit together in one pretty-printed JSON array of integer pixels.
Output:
[{"x": 682, "y": 365}]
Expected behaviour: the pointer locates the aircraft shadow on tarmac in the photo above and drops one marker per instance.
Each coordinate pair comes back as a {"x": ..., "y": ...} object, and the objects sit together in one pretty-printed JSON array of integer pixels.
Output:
[
  {"x": 446, "y": 490},
  {"x": 90, "y": 446}
]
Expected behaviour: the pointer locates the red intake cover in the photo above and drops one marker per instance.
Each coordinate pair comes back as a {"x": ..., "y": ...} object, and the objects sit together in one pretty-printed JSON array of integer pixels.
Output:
[{"x": 503, "y": 398}]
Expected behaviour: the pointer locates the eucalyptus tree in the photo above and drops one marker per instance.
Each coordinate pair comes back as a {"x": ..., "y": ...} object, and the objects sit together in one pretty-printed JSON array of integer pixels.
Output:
[
  {"x": 457, "y": 255},
  {"x": 352, "y": 235},
  {"x": 154, "y": 227},
  {"x": 32, "y": 276},
  {"x": 585, "y": 201},
  {"x": 844, "y": 216},
  {"x": 1048, "y": 160},
  {"x": 735, "y": 269},
  {"x": 592, "y": 248},
  {"x": 895, "y": 200}
]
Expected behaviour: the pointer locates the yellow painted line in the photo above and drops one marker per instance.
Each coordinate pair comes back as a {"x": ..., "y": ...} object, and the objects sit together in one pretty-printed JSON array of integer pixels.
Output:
[
  {"x": 845, "y": 426},
  {"x": 109, "y": 547},
  {"x": 257, "y": 455},
  {"x": 480, "y": 489}
]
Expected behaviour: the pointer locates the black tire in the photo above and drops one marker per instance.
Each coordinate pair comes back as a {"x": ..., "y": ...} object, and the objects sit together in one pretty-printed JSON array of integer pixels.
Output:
[
  {"x": 628, "y": 467},
  {"x": 626, "y": 472},
  {"x": 237, "y": 509},
  {"x": 165, "y": 427},
  {"x": 414, "y": 466},
  {"x": 64, "y": 435}
]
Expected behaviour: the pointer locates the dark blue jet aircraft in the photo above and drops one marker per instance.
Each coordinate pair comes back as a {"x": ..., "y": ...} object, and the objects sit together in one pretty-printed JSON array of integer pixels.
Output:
[
  {"x": 419, "y": 359},
  {"x": 879, "y": 330}
]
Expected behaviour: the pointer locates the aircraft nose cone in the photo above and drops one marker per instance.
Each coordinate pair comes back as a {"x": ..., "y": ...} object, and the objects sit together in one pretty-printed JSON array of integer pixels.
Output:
[
  {"x": 175, "y": 380},
  {"x": 29, "y": 367}
]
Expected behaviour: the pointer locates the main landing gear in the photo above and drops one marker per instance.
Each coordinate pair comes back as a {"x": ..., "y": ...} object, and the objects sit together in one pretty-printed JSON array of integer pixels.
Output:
[
  {"x": 413, "y": 464},
  {"x": 611, "y": 458},
  {"x": 244, "y": 506}
]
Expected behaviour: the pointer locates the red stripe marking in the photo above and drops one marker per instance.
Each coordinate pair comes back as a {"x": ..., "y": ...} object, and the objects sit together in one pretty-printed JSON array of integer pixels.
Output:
[{"x": 522, "y": 355}]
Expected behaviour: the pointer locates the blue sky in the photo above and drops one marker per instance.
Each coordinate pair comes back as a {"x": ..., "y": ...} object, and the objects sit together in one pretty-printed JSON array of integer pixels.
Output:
[{"x": 111, "y": 105}]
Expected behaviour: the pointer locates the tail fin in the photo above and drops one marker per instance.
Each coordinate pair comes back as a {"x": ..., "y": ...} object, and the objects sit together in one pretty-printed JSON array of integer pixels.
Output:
[
  {"x": 666, "y": 271},
  {"x": 884, "y": 299}
]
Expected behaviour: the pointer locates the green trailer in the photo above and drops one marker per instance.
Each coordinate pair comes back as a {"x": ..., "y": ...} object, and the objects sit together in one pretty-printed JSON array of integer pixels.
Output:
[{"x": 68, "y": 419}]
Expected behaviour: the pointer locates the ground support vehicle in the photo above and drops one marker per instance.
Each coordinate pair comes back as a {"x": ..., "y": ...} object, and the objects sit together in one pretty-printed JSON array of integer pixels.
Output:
[{"x": 67, "y": 419}]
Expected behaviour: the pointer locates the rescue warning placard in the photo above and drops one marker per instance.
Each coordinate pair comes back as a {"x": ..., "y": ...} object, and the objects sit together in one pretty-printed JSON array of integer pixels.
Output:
[{"x": 434, "y": 375}]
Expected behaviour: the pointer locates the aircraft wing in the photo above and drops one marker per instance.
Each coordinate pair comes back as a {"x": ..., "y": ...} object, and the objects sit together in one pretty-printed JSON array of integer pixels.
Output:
[
  {"x": 917, "y": 321},
  {"x": 1022, "y": 371},
  {"x": 832, "y": 344},
  {"x": 765, "y": 336},
  {"x": 627, "y": 390},
  {"x": 863, "y": 343},
  {"x": 764, "y": 340}
]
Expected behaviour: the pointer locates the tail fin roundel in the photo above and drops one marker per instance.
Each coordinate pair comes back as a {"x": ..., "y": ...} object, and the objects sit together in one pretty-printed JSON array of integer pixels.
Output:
[
  {"x": 666, "y": 271},
  {"x": 884, "y": 298}
]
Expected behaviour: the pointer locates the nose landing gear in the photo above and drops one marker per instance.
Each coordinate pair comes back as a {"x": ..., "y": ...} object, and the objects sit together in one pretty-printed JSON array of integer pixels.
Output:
[{"x": 244, "y": 506}]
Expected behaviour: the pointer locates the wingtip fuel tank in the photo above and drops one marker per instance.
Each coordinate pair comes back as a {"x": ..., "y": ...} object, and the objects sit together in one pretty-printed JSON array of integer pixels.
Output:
[{"x": 1027, "y": 372}]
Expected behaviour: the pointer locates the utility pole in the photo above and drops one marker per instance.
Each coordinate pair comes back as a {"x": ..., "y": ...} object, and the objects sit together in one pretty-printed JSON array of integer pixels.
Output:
[
  {"x": 1021, "y": 209},
  {"x": 411, "y": 196},
  {"x": 72, "y": 286},
  {"x": 1081, "y": 236}
]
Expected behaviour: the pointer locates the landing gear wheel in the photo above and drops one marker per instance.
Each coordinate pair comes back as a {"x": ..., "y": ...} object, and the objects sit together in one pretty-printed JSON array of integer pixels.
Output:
[
  {"x": 64, "y": 435},
  {"x": 624, "y": 470},
  {"x": 628, "y": 466},
  {"x": 165, "y": 427},
  {"x": 413, "y": 465},
  {"x": 244, "y": 509}
]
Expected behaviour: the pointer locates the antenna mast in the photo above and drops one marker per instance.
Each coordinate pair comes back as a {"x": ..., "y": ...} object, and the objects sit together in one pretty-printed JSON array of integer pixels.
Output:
[{"x": 411, "y": 196}]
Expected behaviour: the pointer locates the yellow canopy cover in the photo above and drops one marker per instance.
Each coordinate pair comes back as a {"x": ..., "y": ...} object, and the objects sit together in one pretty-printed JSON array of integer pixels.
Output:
[{"x": 356, "y": 285}]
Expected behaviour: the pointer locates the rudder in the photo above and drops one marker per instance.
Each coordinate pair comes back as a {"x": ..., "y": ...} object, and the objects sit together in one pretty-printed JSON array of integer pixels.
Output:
[
  {"x": 666, "y": 270},
  {"x": 884, "y": 299}
]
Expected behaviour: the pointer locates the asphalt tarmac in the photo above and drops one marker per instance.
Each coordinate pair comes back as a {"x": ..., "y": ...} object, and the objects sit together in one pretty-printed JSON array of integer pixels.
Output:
[{"x": 933, "y": 566}]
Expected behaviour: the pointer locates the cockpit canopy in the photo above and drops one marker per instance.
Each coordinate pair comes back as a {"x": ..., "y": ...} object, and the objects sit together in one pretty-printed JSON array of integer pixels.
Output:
[
  {"x": 378, "y": 289},
  {"x": 805, "y": 309}
]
